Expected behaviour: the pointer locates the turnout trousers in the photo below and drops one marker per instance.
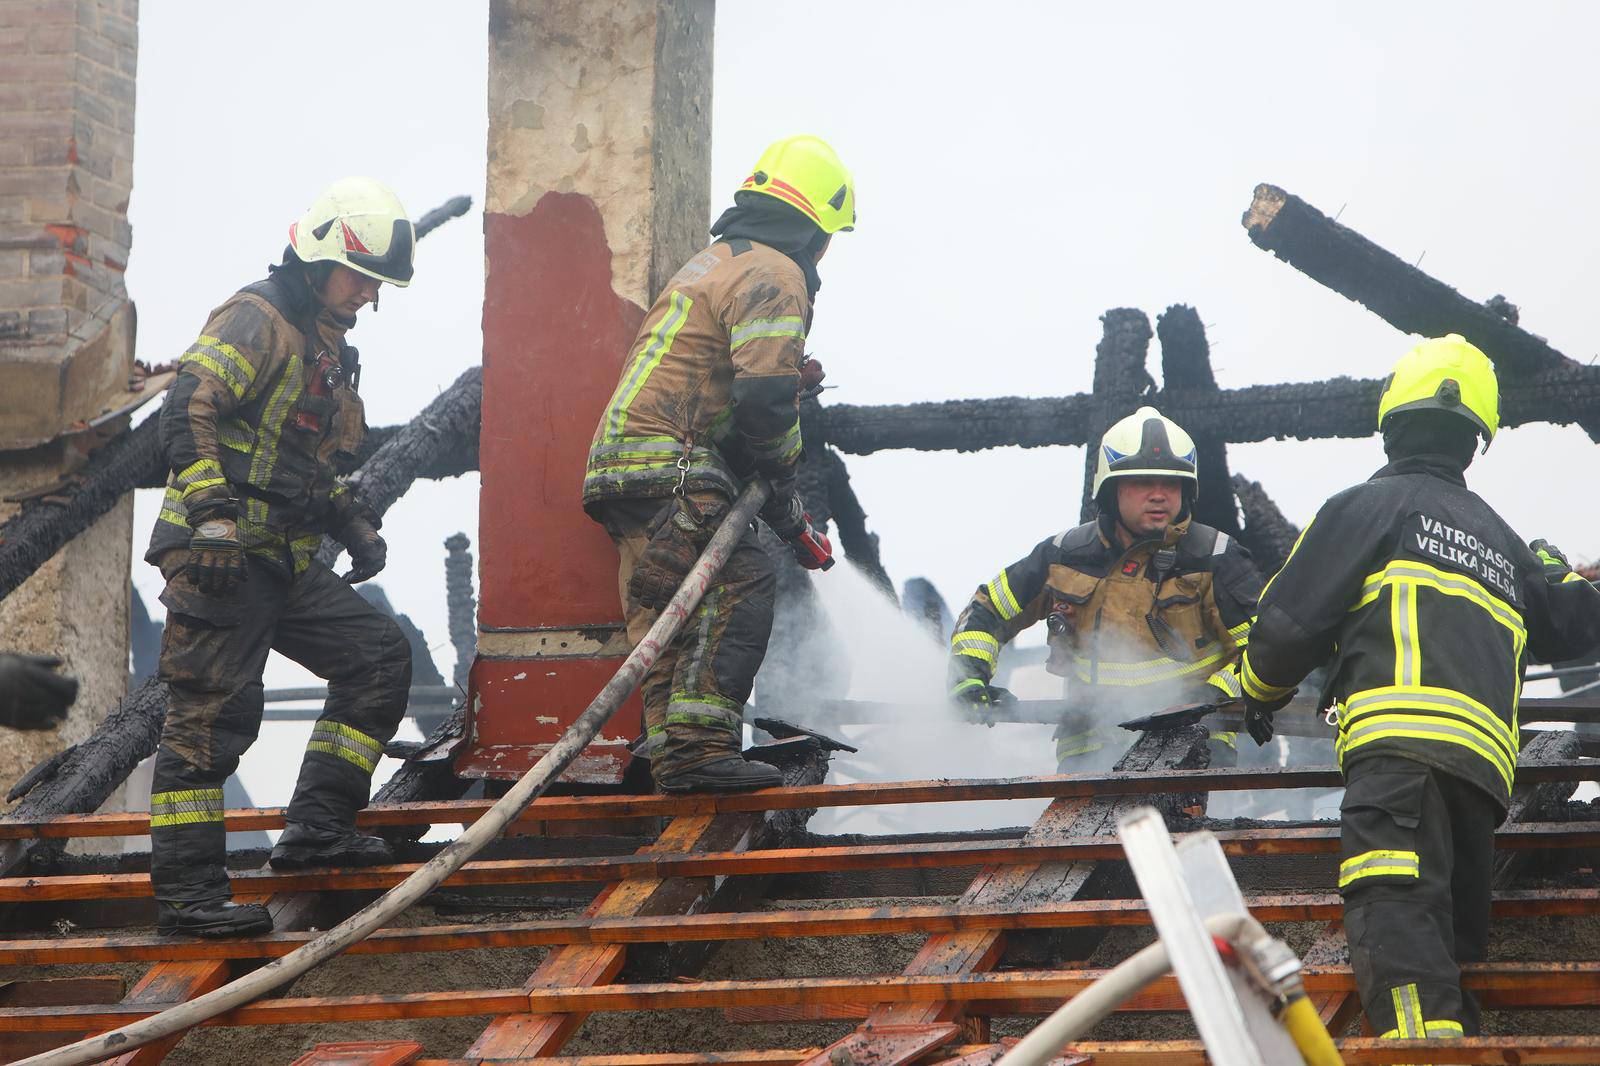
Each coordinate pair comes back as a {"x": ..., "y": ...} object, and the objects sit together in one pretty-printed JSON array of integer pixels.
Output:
[
  {"x": 1416, "y": 854},
  {"x": 694, "y": 695},
  {"x": 212, "y": 654}
]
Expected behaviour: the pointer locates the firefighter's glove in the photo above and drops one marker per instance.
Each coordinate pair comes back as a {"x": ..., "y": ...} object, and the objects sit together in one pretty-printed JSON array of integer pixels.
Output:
[
  {"x": 974, "y": 698},
  {"x": 32, "y": 694},
  {"x": 1556, "y": 567},
  {"x": 369, "y": 554},
  {"x": 811, "y": 376},
  {"x": 1258, "y": 715},
  {"x": 681, "y": 534},
  {"x": 786, "y": 516},
  {"x": 216, "y": 559}
]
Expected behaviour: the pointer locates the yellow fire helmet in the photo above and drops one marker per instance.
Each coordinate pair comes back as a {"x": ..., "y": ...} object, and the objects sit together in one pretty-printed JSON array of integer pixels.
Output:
[
  {"x": 1445, "y": 374},
  {"x": 361, "y": 223},
  {"x": 1148, "y": 444},
  {"x": 805, "y": 173}
]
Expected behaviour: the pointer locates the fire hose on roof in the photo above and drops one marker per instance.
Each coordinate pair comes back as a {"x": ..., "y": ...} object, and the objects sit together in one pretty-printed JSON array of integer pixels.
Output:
[{"x": 428, "y": 877}]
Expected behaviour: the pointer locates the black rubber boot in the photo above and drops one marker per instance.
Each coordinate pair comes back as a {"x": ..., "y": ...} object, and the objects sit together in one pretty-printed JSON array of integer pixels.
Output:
[
  {"x": 211, "y": 918},
  {"x": 729, "y": 774},
  {"x": 303, "y": 845}
]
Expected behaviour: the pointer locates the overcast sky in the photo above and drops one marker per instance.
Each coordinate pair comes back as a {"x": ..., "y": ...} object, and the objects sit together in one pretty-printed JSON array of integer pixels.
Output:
[{"x": 1020, "y": 169}]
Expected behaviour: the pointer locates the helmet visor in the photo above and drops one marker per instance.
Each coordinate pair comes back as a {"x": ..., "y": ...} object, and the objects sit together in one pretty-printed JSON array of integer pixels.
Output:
[{"x": 395, "y": 264}]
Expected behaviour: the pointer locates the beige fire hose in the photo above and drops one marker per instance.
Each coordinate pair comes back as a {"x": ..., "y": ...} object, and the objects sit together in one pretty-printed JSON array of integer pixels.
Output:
[{"x": 392, "y": 903}]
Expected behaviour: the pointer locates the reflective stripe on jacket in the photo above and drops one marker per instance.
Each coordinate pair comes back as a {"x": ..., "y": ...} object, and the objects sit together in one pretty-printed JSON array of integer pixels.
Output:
[
  {"x": 711, "y": 380},
  {"x": 244, "y": 419},
  {"x": 1430, "y": 607},
  {"x": 1197, "y": 583}
]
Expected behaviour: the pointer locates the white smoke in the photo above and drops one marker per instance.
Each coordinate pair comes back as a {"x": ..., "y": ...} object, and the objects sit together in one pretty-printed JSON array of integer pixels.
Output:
[{"x": 890, "y": 658}]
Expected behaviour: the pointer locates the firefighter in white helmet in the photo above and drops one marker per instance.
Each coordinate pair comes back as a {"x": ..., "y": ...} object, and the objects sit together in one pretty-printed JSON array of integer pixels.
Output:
[
  {"x": 263, "y": 415},
  {"x": 1144, "y": 605}
]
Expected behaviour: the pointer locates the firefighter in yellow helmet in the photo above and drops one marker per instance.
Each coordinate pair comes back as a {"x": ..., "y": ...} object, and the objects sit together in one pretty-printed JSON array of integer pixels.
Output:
[
  {"x": 1145, "y": 606},
  {"x": 1430, "y": 607},
  {"x": 263, "y": 412},
  {"x": 708, "y": 397}
]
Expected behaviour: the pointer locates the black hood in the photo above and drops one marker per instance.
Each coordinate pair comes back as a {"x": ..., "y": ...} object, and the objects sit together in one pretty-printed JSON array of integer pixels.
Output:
[
  {"x": 757, "y": 217},
  {"x": 1439, "y": 433}
]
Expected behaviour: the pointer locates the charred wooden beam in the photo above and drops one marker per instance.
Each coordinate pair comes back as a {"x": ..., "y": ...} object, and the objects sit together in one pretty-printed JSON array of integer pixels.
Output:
[
  {"x": 1311, "y": 410},
  {"x": 447, "y": 425},
  {"x": 1267, "y": 533},
  {"x": 1121, "y": 381},
  {"x": 30, "y": 537},
  {"x": 1186, "y": 364},
  {"x": 461, "y": 605},
  {"x": 1396, "y": 291}
]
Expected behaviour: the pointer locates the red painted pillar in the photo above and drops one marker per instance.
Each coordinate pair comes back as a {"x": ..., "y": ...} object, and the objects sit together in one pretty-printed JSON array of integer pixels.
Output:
[{"x": 599, "y": 156}]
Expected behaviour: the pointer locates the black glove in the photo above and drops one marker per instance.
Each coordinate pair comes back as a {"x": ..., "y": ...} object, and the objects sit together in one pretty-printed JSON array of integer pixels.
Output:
[
  {"x": 368, "y": 552},
  {"x": 677, "y": 538},
  {"x": 1556, "y": 567},
  {"x": 786, "y": 516},
  {"x": 975, "y": 700},
  {"x": 1258, "y": 716},
  {"x": 216, "y": 559},
  {"x": 32, "y": 694}
]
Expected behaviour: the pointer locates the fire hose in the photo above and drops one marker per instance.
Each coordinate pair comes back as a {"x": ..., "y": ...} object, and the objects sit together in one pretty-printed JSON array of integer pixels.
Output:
[
  {"x": 428, "y": 877},
  {"x": 1083, "y": 1011}
]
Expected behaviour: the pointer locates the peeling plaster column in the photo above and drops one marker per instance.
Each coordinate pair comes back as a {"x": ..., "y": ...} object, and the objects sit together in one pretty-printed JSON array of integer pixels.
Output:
[
  {"x": 66, "y": 328},
  {"x": 598, "y": 190}
]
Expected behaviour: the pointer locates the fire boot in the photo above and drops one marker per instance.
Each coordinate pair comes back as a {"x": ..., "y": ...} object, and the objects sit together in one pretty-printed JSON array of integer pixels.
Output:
[
  {"x": 211, "y": 918},
  {"x": 303, "y": 845},
  {"x": 729, "y": 774}
]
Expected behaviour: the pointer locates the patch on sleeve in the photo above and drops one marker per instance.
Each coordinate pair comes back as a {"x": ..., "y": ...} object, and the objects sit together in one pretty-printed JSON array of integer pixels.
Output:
[{"x": 1463, "y": 551}]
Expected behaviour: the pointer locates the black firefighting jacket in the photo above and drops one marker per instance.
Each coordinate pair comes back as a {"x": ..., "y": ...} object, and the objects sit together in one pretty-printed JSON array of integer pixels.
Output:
[
  {"x": 263, "y": 410},
  {"x": 1150, "y": 622},
  {"x": 1430, "y": 606}
]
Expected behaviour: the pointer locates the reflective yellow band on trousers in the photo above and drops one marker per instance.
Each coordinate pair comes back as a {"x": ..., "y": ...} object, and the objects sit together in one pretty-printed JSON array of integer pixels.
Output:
[
  {"x": 345, "y": 742},
  {"x": 1379, "y": 863},
  {"x": 189, "y": 806}
]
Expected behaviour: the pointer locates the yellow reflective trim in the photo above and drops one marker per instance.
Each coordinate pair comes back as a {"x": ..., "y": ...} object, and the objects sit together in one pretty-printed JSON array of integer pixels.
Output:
[
  {"x": 1256, "y": 688},
  {"x": 223, "y": 372},
  {"x": 188, "y": 795},
  {"x": 351, "y": 733},
  {"x": 1447, "y": 582},
  {"x": 202, "y": 466},
  {"x": 158, "y": 821},
  {"x": 196, "y": 486},
  {"x": 999, "y": 589},
  {"x": 273, "y": 419},
  {"x": 230, "y": 353},
  {"x": 1444, "y": 1029},
  {"x": 177, "y": 518},
  {"x": 1148, "y": 672},
  {"x": 342, "y": 752},
  {"x": 1379, "y": 863},
  {"x": 1418, "y": 699},
  {"x": 754, "y": 328},
  {"x": 1416, "y": 727},
  {"x": 661, "y": 337}
]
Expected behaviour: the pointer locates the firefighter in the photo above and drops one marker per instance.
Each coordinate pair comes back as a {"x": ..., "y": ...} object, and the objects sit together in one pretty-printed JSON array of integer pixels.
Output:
[
  {"x": 263, "y": 410},
  {"x": 708, "y": 398},
  {"x": 1145, "y": 607},
  {"x": 1430, "y": 607}
]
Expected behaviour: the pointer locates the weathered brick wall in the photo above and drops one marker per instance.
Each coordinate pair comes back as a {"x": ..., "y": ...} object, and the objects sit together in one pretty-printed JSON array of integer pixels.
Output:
[
  {"x": 66, "y": 170},
  {"x": 66, "y": 326}
]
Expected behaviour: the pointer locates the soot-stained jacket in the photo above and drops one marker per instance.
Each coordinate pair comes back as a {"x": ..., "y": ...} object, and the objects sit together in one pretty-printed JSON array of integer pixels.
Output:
[
  {"x": 1157, "y": 618},
  {"x": 711, "y": 379},
  {"x": 1431, "y": 607},
  {"x": 263, "y": 408}
]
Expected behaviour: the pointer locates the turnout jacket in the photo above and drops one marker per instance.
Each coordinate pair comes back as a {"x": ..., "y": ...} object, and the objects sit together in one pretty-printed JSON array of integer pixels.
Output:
[
  {"x": 1430, "y": 606},
  {"x": 1160, "y": 617},
  {"x": 263, "y": 408},
  {"x": 711, "y": 380}
]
